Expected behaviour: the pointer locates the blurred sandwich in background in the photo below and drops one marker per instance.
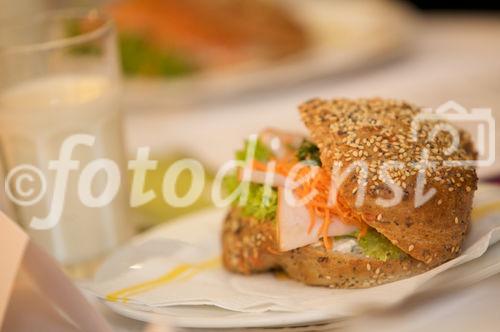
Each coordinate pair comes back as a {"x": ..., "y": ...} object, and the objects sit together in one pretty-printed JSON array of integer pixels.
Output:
[{"x": 178, "y": 37}]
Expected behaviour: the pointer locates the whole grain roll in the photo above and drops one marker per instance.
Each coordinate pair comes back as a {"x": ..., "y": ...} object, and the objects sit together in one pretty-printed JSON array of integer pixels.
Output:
[
  {"x": 250, "y": 246},
  {"x": 314, "y": 265},
  {"x": 371, "y": 134},
  {"x": 376, "y": 131}
]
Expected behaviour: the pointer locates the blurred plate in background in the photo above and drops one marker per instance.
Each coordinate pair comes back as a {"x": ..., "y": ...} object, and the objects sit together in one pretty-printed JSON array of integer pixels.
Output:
[{"x": 343, "y": 36}]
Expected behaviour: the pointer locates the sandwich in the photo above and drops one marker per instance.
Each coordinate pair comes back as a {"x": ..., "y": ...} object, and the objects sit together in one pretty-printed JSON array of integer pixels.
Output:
[
  {"x": 367, "y": 197},
  {"x": 174, "y": 38}
]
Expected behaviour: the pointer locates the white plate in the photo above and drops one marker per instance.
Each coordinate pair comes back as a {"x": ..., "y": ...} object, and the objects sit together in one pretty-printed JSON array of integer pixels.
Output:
[
  {"x": 193, "y": 229},
  {"x": 345, "y": 34},
  {"x": 212, "y": 317},
  {"x": 189, "y": 230}
]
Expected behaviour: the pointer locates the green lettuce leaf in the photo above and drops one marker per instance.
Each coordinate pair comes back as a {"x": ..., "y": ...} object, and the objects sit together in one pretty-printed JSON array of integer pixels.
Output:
[
  {"x": 308, "y": 151},
  {"x": 377, "y": 246},
  {"x": 262, "y": 153},
  {"x": 256, "y": 204},
  {"x": 141, "y": 58}
]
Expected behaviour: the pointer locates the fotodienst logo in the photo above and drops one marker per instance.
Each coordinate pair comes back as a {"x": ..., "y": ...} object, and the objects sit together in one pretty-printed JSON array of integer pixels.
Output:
[
  {"x": 26, "y": 184},
  {"x": 479, "y": 122}
]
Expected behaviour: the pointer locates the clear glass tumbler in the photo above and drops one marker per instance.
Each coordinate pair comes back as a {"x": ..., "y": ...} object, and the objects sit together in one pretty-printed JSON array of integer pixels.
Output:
[{"x": 60, "y": 77}]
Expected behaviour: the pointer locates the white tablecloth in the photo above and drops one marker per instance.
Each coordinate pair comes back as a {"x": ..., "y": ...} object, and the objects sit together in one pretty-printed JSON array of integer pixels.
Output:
[{"x": 453, "y": 58}]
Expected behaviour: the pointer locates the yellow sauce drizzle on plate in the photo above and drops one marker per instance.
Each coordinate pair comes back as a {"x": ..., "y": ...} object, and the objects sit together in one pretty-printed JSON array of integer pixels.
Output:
[
  {"x": 485, "y": 209},
  {"x": 184, "y": 270}
]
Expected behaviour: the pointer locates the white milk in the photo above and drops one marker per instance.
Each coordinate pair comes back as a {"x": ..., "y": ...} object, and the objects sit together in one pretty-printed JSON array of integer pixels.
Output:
[{"x": 35, "y": 118}]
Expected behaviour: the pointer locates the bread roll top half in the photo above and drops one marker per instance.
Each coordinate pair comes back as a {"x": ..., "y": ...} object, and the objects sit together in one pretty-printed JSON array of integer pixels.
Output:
[{"x": 390, "y": 143}]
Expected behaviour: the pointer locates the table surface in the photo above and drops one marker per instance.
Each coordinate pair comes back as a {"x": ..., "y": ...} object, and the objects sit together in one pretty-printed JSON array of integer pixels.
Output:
[{"x": 453, "y": 57}]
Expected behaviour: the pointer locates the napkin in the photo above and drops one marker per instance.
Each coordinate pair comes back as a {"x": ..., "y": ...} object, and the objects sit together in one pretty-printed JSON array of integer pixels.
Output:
[
  {"x": 13, "y": 243},
  {"x": 32, "y": 282},
  {"x": 160, "y": 273}
]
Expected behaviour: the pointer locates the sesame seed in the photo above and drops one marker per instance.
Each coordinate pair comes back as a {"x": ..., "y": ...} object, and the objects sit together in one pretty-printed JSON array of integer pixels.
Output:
[
  {"x": 456, "y": 220},
  {"x": 389, "y": 124},
  {"x": 379, "y": 217},
  {"x": 368, "y": 266},
  {"x": 411, "y": 247},
  {"x": 439, "y": 202}
]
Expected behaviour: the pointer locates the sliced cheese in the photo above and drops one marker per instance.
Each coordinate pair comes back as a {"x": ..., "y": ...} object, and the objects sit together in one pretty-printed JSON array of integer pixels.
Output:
[{"x": 293, "y": 223}]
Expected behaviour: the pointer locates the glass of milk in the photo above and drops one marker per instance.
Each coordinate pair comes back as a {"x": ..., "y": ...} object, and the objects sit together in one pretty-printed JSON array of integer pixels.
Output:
[{"x": 59, "y": 76}]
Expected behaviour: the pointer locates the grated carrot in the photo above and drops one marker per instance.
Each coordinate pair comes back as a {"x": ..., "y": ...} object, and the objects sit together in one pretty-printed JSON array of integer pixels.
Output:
[
  {"x": 312, "y": 219},
  {"x": 319, "y": 205}
]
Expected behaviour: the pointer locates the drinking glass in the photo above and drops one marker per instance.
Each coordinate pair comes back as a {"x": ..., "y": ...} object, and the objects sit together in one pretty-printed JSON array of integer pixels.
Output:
[{"x": 59, "y": 77}]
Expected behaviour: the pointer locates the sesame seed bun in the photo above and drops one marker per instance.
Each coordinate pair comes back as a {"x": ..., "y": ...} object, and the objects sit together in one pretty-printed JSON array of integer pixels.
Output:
[
  {"x": 373, "y": 131},
  {"x": 250, "y": 246},
  {"x": 378, "y": 130}
]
